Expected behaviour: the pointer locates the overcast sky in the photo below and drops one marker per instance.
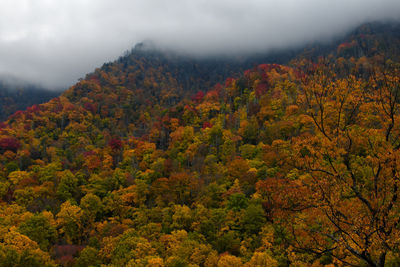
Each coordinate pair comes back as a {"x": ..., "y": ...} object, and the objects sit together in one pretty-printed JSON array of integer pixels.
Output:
[{"x": 55, "y": 42}]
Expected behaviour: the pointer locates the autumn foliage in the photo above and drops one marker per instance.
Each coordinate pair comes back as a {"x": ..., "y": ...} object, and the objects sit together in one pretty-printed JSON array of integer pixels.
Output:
[{"x": 284, "y": 165}]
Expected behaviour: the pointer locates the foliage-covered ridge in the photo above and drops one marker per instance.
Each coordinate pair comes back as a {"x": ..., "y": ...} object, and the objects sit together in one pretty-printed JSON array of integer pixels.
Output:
[{"x": 282, "y": 165}]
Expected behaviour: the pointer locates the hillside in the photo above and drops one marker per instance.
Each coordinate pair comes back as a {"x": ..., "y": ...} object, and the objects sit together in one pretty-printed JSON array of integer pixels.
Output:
[
  {"x": 188, "y": 74},
  {"x": 149, "y": 161},
  {"x": 14, "y": 98}
]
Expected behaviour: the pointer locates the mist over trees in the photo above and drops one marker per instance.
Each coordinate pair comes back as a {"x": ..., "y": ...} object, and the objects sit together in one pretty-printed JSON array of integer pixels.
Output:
[
  {"x": 17, "y": 97},
  {"x": 161, "y": 160}
]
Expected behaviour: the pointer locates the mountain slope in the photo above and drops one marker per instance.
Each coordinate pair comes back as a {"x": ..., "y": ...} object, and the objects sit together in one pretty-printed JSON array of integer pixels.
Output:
[
  {"x": 279, "y": 165},
  {"x": 13, "y": 98}
]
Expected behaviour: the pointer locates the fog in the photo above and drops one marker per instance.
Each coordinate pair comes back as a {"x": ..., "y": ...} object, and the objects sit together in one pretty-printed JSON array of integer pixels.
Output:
[{"x": 55, "y": 42}]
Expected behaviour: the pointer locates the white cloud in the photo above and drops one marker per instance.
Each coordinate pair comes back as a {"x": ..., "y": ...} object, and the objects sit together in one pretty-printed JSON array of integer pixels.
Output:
[{"x": 54, "y": 42}]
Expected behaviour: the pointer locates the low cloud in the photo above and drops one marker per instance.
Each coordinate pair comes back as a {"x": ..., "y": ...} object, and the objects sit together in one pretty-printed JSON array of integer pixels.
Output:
[{"x": 53, "y": 43}]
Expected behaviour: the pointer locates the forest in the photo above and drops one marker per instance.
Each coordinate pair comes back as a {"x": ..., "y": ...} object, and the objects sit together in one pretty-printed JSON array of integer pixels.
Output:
[
  {"x": 147, "y": 163},
  {"x": 19, "y": 97}
]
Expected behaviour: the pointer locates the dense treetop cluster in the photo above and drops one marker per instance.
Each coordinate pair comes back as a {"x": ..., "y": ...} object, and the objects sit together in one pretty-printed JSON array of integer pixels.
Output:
[{"x": 294, "y": 164}]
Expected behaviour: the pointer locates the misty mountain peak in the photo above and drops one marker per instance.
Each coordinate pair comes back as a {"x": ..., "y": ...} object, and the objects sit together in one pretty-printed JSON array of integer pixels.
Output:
[{"x": 146, "y": 45}]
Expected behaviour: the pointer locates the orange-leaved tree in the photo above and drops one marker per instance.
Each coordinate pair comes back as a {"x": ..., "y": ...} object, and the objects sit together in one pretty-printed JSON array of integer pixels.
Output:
[{"x": 340, "y": 197}]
